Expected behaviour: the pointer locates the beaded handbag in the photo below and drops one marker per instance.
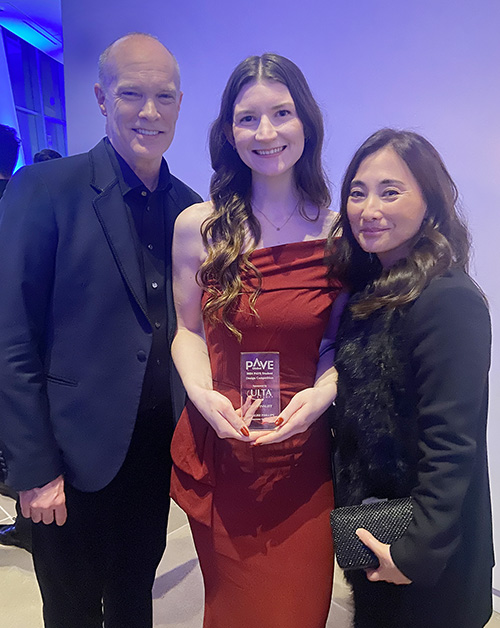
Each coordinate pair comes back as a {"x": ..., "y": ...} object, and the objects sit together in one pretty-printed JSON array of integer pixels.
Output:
[{"x": 386, "y": 519}]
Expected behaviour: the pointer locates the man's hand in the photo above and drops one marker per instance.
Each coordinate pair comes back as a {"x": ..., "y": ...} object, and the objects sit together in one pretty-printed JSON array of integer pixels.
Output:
[
  {"x": 46, "y": 503},
  {"x": 387, "y": 570}
]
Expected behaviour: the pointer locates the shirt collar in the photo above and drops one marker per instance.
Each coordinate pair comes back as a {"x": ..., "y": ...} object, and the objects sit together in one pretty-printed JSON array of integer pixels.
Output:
[{"x": 128, "y": 180}]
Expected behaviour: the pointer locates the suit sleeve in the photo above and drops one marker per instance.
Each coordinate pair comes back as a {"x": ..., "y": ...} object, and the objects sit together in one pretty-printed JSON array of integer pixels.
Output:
[
  {"x": 28, "y": 241},
  {"x": 450, "y": 336}
]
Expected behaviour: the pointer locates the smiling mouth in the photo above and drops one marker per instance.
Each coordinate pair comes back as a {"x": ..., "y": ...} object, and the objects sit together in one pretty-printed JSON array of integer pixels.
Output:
[
  {"x": 270, "y": 151},
  {"x": 147, "y": 132}
]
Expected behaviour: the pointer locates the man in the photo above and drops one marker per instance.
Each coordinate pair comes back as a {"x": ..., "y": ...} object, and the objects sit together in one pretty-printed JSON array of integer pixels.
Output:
[
  {"x": 86, "y": 318},
  {"x": 9, "y": 151},
  {"x": 19, "y": 533},
  {"x": 46, "y": 154}
]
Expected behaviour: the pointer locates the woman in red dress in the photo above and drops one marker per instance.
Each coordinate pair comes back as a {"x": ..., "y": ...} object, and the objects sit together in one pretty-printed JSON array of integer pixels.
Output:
[{"x": 249, "y": 276}]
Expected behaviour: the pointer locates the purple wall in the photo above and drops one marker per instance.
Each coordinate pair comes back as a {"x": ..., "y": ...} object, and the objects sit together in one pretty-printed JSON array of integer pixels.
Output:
[{"x": 430, "y": 66}]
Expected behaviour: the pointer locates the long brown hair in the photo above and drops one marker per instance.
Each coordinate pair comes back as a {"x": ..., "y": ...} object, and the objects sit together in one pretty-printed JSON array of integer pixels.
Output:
[
  {"x": 442, "y": 241},
  {"x": 232, "y": 231}
]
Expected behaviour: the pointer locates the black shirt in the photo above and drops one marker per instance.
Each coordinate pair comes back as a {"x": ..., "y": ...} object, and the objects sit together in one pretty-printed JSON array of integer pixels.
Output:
[{"x": 148, "y": 215}]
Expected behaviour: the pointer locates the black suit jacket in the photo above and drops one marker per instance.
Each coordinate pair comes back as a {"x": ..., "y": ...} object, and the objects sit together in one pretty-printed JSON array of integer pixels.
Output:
[{"x": 74, "y": 331}]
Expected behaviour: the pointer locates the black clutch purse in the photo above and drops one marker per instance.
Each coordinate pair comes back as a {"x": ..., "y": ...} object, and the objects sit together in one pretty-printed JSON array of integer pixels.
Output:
[{"x": 386, "y": 519}]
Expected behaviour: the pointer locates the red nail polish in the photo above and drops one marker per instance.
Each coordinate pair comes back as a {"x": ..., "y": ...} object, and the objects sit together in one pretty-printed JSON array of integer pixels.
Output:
[
  {"x": 244, "y": 431},
  {"x": 278, "y": 421}
]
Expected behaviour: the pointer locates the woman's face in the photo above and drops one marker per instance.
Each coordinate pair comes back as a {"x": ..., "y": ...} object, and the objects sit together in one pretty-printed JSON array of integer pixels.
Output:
[
  {"x": 267, "y": 132},
  {"x": 385, "y": 206}
]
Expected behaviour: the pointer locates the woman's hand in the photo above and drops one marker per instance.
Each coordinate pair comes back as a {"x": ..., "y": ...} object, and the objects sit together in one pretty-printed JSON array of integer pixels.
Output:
[
  {"x": 387, "y": 570},
  {"x": 220, "y": 414},
  {"x": 248, "y": 409},
  {"x": 302, "y": 411}
]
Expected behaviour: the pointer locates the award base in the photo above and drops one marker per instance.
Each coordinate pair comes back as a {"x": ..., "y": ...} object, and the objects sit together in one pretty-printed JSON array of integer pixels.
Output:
[{"x": 262, "y": 424}]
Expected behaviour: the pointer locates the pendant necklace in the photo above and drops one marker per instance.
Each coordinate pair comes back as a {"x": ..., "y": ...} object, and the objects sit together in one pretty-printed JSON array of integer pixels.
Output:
[{"x": 272, "y": 223}]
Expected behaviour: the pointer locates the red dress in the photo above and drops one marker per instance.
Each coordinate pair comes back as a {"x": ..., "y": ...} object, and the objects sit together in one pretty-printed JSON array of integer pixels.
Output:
[{"x": 260, "y": 515}]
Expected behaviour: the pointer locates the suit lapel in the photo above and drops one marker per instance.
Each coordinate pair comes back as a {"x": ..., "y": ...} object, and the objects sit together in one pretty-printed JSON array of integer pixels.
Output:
[{"x": 113, "y": 216}]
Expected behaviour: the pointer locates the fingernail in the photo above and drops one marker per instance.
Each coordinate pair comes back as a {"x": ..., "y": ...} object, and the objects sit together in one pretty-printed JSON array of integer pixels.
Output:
[
  {"x": 278, "y": 421},
  {"x": 244, "y": 431},
  {"x": 255, "y": 445}
]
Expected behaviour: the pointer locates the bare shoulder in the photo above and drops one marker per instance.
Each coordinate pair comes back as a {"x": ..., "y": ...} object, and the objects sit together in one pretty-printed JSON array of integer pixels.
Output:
[
  {"x": 188, "y": 244},
  {"x": 191, "y": 218}
]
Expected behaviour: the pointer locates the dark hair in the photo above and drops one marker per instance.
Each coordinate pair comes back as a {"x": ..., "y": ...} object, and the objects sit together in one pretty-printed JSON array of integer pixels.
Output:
[
  {"x": 9, "y": 150},
  {"x": 225, "y": 233},
  {"x": 46, "y": 154},
  {"x": 442, "y": 241}
]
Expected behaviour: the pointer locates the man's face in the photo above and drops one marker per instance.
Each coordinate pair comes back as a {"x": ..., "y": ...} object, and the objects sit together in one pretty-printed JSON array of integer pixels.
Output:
[{"x": 141, "y": 102}]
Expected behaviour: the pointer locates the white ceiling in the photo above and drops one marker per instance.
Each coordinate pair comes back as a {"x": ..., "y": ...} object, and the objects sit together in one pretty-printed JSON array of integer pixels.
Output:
[{"x": 37, "y": 21}]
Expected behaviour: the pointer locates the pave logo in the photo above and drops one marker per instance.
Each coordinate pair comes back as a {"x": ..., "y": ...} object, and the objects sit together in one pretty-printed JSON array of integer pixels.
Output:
[{"x": 257, "y": 364}]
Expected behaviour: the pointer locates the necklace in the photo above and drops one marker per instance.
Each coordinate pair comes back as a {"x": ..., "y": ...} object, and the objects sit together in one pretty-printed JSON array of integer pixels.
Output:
[{"x": 280, "y": 227}]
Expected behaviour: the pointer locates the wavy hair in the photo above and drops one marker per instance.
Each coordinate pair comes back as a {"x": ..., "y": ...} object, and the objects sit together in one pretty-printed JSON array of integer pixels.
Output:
[
  {"x": 232, "y": 231},
  {"x": 442, "y": 242}
]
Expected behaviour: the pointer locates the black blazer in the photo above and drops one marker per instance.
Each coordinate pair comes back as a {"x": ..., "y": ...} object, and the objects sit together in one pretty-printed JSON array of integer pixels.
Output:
[{"x": 74, "y": 333}]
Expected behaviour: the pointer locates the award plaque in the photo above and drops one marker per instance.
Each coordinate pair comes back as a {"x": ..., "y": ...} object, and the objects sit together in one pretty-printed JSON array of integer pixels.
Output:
[{"x": 260, "y": 379}]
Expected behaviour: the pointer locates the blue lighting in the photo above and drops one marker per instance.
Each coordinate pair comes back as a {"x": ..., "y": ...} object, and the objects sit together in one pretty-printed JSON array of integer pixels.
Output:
[
  {"x": 44, "y": 35},
  {"x": 7, "y": 106},
  {"x": 32, "y": 94}
]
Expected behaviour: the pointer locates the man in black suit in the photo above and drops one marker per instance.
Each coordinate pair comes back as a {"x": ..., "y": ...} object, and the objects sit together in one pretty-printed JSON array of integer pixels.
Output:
[
  {"x": 88, "y": 394},
  {"x": 18, "y": 533}
]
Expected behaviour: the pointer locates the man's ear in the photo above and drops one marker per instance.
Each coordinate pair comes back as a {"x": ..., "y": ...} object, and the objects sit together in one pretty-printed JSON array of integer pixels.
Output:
[{"x": 101, "y": 98}]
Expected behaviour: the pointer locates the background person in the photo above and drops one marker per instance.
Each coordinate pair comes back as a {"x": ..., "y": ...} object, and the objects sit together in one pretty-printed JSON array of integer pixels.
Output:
[
  {"x": 46, "y": 154},
  {"x": 86, "y": 317},
  {"x": 413, "y": 353},
  {"x": 9, "y": 152},
  {"x": 249, "y": 275}
]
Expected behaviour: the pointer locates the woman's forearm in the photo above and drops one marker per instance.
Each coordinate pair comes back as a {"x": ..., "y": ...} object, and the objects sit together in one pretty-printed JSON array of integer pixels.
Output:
[
  {"x": 190, "y": 356},
  {"x": 326, "y": 376}
]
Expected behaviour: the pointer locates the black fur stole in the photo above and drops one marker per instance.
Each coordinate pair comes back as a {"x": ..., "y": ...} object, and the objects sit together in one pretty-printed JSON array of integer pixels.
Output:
[{"x": 375, "y": 410}]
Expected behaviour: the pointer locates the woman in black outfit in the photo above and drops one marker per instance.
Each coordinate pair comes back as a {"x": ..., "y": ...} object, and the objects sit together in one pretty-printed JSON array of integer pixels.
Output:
[{"x": 413, "y": 354}]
